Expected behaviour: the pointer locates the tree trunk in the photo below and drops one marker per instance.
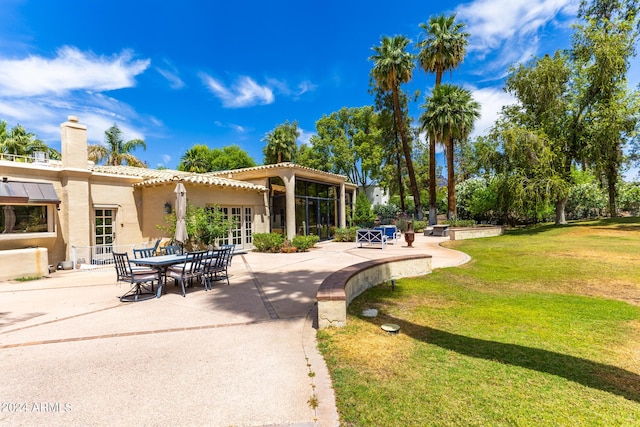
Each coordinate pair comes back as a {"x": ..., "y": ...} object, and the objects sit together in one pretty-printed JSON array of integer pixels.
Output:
[
  {"x": 407, "y": 154},
  {"x": 433, "y": 204},
  {"x": 451, "y": 182},
  {"x": 400, "y": 185},
  {"x": 560, "y": 211}
]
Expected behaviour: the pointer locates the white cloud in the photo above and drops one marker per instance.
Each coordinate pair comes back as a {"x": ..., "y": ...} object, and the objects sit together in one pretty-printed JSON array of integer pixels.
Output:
[
  {"x": 172, "y": 75},
  {"x": 510, "y": 27},
  {"x": 71, "y": 69},
  {"x": 305, "y": 136},
  {"x": 245, "y": 92},
  {"x": 491, "y": 101}
]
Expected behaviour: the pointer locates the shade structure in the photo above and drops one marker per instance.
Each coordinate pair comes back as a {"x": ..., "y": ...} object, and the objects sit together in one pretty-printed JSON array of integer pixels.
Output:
[{"x": 181, "y": 211}]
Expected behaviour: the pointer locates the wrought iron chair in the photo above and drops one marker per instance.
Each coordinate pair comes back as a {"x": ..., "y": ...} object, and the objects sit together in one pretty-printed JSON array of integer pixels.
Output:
[
  {"x": 144, "y": 253},
  {"x": 218, "y": 268},
  {"x": 190, "y": 269},
  {"x": 136, "y": 277},
  {"x": 170, "y": 250}
]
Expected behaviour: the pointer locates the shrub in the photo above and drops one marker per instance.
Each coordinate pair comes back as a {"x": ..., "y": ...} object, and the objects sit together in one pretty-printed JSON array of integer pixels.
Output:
[
  {"x": 419, "y": 225},
  {"x": 402, "y": 224},
  {"x": 390, "y": 210},
  {"x": 303, "y": 243},
  {"x": 363, "y": 216},
  {"x": 268, "y": 242},
  {"x": 345, "y": 234},
  {"x": 460, "y": 222}
]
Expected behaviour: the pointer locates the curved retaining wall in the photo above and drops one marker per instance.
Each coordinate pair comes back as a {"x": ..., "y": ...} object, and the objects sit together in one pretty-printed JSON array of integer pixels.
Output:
[
  {"x": 340, "y": 288},
  {"x": 474, "y": 232}
]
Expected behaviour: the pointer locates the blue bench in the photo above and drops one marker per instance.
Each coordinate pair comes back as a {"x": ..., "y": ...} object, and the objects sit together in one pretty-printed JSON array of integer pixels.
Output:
[
  {"x": 390, "y": 231},
  {"x": 371, "y": 237}
]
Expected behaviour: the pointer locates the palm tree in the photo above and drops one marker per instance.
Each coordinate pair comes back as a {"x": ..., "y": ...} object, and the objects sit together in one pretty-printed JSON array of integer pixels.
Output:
[
  {"x": 281, "y": 143},
  {"x": 450, "y": 113},
  {"x": 393, "y": 65},
  {"x": 19, "y": 142},
  {"x": 117, "y": 152},
  {"x": 443, "y": 49},
  {"x": 196, "y": 159}
]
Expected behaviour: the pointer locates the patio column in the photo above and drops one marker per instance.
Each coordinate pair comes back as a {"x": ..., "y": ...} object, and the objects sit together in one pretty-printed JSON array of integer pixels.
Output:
[
  {"x": 343, "y": 208},
  {"x": 289, "y": 179}
]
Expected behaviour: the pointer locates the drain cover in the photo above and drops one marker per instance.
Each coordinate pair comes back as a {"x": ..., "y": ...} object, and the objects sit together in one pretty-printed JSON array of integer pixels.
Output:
[{"x": 390, "y": 327}]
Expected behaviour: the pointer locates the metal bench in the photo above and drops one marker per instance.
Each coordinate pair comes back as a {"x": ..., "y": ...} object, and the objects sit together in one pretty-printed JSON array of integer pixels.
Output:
[{"x": 371, "y": 237}]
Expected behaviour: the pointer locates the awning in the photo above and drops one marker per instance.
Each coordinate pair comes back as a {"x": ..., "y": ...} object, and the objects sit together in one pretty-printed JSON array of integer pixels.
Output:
[{"x": 28, "y": 192}]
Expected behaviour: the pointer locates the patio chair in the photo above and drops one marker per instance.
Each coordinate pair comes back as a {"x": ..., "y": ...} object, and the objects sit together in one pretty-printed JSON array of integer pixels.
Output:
[
  {"x": 144, "y": 253},
  {"x": 136, "y": 277},
  {"x": 232, "y": 250},
  {"x": 170, "y": 250},
  {"x": 190, "y": 269},
  {"x": 218, "y": 268}
]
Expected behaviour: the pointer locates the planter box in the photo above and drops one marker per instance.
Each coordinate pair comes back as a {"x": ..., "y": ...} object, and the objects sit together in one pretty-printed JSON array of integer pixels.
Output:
[{"x": 475, "y": 232}]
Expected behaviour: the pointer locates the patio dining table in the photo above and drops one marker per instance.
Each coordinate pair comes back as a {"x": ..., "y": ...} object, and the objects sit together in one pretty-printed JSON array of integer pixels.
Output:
[{"x": 162, "y": 263}]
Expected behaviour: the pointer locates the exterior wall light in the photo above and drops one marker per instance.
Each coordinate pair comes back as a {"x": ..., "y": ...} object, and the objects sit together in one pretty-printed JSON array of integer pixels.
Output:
[{"x": 167, "y": 208}]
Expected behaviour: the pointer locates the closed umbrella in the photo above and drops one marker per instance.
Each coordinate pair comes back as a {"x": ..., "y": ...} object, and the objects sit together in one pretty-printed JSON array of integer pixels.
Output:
[
  {"x": 9, "y": 219},
  {"x": 181, "y": 211}
]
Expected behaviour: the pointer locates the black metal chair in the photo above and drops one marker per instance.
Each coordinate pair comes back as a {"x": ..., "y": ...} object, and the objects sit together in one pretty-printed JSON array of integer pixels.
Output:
[
  {"x": 191, "y": 269},
  {"x": 170, "y": 250},
  {"x": 232, "y": 249},
  {"x": 218, "y": 268},
  {"x": 136, "y": 277},
  {"x": 144, "y": 253}
]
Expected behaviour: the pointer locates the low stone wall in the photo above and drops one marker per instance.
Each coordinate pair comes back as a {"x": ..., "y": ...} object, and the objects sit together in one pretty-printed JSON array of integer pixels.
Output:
[
  {"x": 474, "y": 232},
  {"x": 30, "y": 262},
  {"x": 340, "y": 288}
]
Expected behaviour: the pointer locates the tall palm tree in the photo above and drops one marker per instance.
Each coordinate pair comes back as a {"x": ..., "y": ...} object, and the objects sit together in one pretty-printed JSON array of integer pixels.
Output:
[
  {"x": 443, "y": 49},
  {"x": 281, "y": 143},
  {"x": 392, "y": 66},
  {"x": 196, "y": 159},
  {"x": 117, "y": 152},
  {"x": 450, "y": 113}
]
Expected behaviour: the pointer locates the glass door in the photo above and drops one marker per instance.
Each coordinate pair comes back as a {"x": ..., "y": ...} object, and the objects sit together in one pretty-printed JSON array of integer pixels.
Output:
[{"x": 104, "y": 236}]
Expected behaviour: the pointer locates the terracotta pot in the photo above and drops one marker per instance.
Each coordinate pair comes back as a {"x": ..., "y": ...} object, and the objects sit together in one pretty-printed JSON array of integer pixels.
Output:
[{"x": 409, "y": 235}]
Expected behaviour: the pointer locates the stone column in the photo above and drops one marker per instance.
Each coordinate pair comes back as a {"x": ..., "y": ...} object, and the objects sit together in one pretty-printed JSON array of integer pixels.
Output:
[
  {"x": 75, "y": 209},
  {"x": 289, "y": 179}
]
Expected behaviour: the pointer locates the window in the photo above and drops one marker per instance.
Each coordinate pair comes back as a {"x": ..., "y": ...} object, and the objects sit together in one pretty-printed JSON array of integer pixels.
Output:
[{"x": 24, "y": 219}]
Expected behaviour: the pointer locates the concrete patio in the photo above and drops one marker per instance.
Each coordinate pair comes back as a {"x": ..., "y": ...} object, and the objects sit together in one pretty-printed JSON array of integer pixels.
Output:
[{"x": 72, "y": 354}]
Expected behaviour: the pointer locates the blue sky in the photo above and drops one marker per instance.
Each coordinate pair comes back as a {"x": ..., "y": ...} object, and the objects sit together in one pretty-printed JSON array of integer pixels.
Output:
[{"x": 220, "y": 73}]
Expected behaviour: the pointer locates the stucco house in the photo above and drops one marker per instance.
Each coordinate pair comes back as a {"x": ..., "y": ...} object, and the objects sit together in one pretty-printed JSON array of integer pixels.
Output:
[{"x": 52, "y": 211}]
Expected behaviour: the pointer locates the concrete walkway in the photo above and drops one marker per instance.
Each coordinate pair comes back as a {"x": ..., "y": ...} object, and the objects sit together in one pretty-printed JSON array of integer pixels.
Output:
[{"x": 72, "y": 354}]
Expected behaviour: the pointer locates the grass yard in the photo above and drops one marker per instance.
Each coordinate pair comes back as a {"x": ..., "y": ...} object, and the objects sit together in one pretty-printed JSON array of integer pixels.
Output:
[{"x": 542, "y": 327}]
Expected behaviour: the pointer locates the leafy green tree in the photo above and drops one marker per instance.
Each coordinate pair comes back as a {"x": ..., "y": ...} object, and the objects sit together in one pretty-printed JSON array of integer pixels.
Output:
[
  {"x": 116, "y": 151},
  {"x": 542, "y": 88},
  {"x": 443, "y": 49},
  {"x": 393, "y": 65},
  {"x": 603, "y": 43},
  {"x": 347, "y": 143},
  {"x": 450, "y": 113},
  {"x": 200, "y": 159},
  {"x": 230, "y": 157},
  {"x": 281, "y": 143}
]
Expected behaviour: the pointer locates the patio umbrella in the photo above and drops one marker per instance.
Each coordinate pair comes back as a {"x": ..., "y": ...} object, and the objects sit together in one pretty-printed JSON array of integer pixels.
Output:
[
  {"x": 9, "y": 219},
  {"x": 181, "y": 211}
]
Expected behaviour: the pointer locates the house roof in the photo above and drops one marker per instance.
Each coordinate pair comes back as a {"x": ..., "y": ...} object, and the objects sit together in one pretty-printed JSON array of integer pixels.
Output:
[
  {"x": 285, "y": 165},
  {"x": 154, "y": 177}
]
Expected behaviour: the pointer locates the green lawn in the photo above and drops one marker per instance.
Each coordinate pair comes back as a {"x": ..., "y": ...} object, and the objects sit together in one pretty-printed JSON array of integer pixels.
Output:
[{"x": 542, "y": 327}]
